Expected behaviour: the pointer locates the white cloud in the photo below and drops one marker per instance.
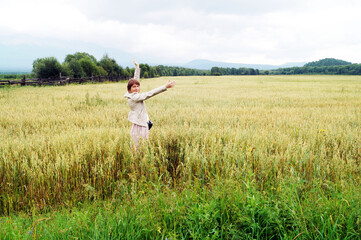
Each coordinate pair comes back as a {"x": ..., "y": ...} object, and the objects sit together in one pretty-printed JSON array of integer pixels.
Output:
[{"x": 178, "y": 31}]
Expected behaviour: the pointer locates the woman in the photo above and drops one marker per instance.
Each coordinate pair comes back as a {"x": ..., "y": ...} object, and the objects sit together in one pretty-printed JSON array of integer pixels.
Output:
[{"x": 138, "y": 113}]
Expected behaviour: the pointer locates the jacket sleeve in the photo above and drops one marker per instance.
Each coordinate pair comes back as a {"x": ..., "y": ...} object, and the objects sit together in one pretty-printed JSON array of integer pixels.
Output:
[
  {"x": 137, "y": 97},
  {"x": 137, "y": 73}
]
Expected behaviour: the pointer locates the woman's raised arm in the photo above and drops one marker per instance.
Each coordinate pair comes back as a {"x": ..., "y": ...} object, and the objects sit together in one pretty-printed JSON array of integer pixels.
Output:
[{"x": 137, "y": 70}]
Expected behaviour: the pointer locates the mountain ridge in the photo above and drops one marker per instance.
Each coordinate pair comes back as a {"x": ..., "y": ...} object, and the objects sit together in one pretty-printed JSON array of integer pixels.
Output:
[{"x": 204, "y": 64}]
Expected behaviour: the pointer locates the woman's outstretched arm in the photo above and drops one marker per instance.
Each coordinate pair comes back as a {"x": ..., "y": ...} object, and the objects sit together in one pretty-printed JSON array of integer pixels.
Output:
[{"x": 144, "y": 96}]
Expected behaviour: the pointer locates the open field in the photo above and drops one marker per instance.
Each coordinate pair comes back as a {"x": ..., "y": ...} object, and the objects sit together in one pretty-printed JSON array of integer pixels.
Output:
[{"x": 236, "y": 157}]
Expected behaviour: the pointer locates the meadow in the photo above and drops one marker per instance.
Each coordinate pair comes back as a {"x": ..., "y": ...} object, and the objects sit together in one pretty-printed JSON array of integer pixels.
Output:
[{"x": 229, "y": 157}]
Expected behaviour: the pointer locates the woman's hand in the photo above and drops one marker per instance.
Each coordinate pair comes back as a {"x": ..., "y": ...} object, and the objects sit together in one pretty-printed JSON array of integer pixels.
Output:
[
  {"x": 170, "y": 84},
  {"x": 135, "y": 63}
]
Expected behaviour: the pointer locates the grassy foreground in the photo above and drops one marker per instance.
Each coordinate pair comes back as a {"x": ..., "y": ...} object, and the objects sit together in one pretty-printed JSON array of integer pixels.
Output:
[{"x": 229, "y": 157}]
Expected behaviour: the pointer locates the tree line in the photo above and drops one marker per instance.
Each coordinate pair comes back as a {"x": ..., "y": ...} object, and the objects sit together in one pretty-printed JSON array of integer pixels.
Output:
[
  {"x": 78, "y": 65},
  {"x": 327, "y": 62},
  {"x": 326, "y": 66},
  {"x": 8, "y": 76},
  {"x": 217, "y": 71},
  {"x": 352, "y": 69},
  {"x": 81, "y": 64}
]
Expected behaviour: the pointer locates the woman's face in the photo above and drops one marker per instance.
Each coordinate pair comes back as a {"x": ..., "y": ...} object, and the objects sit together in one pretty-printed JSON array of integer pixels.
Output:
[{"x": 135, "y": 88}]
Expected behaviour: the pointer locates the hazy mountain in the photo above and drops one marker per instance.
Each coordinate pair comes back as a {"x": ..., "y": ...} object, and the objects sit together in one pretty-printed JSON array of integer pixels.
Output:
[
  {"x": 207, "y": 64},
  {"x": 15, "y": 70}
]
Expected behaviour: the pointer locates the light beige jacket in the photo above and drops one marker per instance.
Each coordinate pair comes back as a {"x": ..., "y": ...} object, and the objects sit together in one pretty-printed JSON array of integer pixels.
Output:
[{"x": 138, "y": 113}]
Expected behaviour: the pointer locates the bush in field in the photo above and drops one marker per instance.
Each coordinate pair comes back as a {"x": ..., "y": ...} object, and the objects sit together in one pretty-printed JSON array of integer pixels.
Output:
[
  {"x": 82, "y": 64},
  {"x": 89, "y": 67},
  {"x": 80, "y": 55},
  {"x": 47, "y": 67},
  {"x": 111, "y": 66}
]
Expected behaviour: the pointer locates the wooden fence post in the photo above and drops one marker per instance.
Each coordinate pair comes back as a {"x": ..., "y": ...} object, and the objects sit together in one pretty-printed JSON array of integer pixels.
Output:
[{"x": 23, "y": 81}]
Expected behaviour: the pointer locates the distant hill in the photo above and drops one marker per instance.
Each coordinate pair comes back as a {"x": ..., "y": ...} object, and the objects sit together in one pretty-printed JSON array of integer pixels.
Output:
[
  {"x": 207, "y": 65},
  {"x": 327, "y": 62},
  {"x": 13, "y": 70}
]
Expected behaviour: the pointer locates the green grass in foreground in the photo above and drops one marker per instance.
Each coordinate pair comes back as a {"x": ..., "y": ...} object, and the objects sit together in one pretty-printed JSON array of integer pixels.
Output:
[{"x": 227, "y": 210}]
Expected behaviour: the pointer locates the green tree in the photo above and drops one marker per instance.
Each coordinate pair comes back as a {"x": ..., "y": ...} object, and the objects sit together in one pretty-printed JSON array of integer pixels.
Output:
[
  {"x": 76, "y": 68},
  {"x": 153, "y": 72},
  {"x": 215, "y": 71},
  {"x": 47, "y": 67},
  {"x": 101, "y": 71},
  {"x": 82, "y": 64},
  {"x": 89, "y": 67},
  {"x": 145, "y": 68},
  {"x": 158, "y": 69},
  {"x": 80, "y": 55},
  {"x": 66, "y": 70},
  {"x": 110, "y": 66},
  {"x": 128, "y": 73}
]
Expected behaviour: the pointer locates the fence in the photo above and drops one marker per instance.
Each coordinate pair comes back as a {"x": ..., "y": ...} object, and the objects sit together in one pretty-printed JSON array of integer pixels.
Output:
[{"x": 59, "y": 81}]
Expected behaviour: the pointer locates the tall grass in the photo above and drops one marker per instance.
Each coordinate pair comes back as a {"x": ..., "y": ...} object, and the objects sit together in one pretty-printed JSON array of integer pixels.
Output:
[{"x": 275, "y": 154}]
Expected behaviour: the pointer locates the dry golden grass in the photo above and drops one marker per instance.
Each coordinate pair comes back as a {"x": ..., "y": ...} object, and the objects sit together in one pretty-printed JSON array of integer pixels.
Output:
[{"x": 63, "y": 145}]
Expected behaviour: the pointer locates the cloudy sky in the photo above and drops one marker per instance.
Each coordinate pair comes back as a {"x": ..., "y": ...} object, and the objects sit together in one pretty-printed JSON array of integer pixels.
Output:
[{"x": 176, "y": 32}]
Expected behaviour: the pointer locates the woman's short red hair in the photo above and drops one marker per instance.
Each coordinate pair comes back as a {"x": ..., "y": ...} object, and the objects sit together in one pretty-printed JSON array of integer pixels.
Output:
[{"x": 131, "y": 82}]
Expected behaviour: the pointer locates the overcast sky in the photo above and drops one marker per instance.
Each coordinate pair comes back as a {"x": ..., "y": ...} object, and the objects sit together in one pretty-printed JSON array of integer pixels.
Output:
[{"x": 176, "y": 32}]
